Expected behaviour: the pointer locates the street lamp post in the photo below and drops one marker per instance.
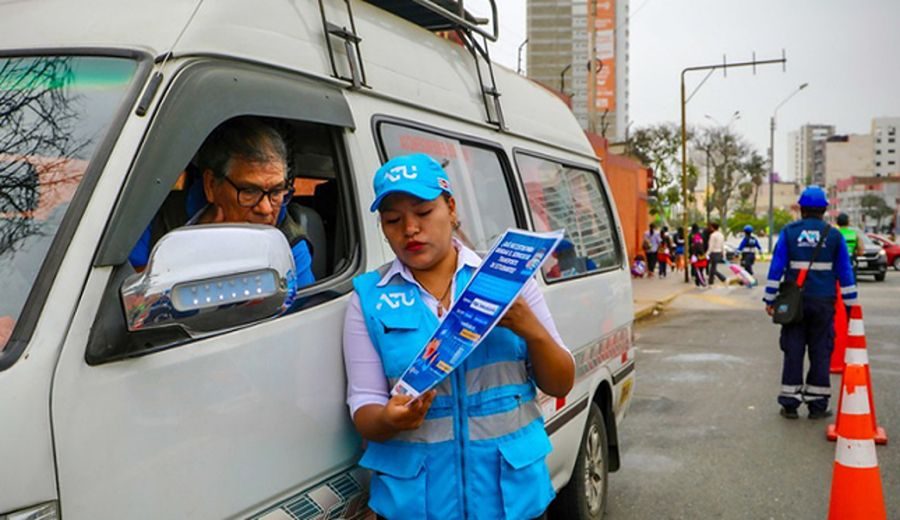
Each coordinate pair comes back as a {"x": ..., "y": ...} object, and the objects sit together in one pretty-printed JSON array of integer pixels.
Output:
[
  {"x": 684, "y": 100},
  {"x": 772, "y": 163},
  {"x": 562, "y": 78},
  {"x": 519, "y": 63}
]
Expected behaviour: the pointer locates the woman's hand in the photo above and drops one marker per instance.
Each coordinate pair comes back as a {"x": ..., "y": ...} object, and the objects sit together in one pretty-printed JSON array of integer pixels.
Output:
[
  {"x": 520, "y": 319},
  {"x": 401, "y": 415},
  {"x": 379, "y": 423},
  {"x": 554, "y": 368}
]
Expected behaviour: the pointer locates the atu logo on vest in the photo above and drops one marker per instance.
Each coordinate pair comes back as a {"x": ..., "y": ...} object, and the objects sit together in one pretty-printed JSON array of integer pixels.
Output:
[
  {"x": 394, "y": 300},
  {"x": 808, "y": 238}
]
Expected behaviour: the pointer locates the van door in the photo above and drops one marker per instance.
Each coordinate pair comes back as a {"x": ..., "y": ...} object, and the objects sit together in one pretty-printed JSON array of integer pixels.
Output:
[{"x": 245, "y": 421}]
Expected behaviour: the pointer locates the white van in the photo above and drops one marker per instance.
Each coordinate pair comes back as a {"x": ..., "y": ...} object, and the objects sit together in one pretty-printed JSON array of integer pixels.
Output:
[{"x": 116, "y": 402}]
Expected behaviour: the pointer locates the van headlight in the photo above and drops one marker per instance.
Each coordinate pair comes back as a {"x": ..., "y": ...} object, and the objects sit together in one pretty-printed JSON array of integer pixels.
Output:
[
  {"x": 882, "y": 254},
  {"x": 48, "y": 511}
]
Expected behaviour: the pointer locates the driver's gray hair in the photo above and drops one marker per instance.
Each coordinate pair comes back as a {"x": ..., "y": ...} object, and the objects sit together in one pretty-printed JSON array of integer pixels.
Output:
[{"x": 246, "y": 138}]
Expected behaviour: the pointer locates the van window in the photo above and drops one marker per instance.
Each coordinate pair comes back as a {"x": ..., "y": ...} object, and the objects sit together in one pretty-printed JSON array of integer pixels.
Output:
[
  {"x": 476, "y": 173},
  {"x": 54, "y": 112},
  {"x": 564, "y": 196},
  {"x": 263, "y": 171}
]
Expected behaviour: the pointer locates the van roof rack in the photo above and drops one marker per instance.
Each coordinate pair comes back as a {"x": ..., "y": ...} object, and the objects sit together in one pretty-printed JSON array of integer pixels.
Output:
[{"x": 442, "y": 15}]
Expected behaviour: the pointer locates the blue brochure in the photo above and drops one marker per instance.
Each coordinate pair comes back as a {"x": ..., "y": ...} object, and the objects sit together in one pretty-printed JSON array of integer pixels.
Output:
[{"x": 515, "y": 257}]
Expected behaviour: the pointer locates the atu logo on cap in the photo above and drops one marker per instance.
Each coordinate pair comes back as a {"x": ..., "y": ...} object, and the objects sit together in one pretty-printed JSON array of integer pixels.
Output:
[{"x": 401, "y": 172}]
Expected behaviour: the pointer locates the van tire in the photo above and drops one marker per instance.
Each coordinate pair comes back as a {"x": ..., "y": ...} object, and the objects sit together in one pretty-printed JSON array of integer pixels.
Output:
[
  {"x": 879, "y": 277},
  {"x": 584, "y": 497}
]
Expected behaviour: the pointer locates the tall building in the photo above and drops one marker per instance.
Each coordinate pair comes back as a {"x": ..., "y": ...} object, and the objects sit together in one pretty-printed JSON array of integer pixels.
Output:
[
  {"x": 559, "y": 56},
  {"x": 795, "y": 156},
  {"x": 884, "y": 132},
  {"x": 847, "y": 156},
  {"x": 806, "y": 153}
]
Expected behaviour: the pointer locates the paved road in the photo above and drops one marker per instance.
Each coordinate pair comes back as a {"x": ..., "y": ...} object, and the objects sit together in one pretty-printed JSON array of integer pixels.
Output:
[{"x": 703, "y": 438}]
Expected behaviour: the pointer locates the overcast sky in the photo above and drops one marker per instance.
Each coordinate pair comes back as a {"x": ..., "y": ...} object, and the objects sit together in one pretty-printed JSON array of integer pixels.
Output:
[{"x": 847, "y": 50}]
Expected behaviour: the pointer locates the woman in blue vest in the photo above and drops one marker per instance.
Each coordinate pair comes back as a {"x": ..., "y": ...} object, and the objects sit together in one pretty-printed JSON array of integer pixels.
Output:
[{"x": 474, "y": 447}]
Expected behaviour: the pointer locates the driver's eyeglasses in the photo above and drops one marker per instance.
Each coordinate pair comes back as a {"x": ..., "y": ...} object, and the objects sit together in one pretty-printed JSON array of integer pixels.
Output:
[{"x": 250, "y": 197}]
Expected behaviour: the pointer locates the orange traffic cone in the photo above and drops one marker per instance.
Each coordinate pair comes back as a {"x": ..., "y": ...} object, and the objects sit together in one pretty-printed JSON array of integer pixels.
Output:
[
  {"x": 840, "y": 334},
  {"x": 856, "y": 354},
  {"x": 856, "y": 482}
]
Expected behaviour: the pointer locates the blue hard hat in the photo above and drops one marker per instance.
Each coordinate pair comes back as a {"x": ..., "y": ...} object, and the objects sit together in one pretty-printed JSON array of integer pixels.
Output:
[
  {"x": 813, "y": 197},
  {"x": 416, "y": 174},
  {"x": 748, "y": 229}
]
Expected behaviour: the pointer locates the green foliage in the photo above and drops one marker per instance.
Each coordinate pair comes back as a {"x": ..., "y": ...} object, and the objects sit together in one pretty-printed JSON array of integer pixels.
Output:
[
  {"x": 875, "y": 207},
  {"x": 745, "y": 215},
  {"x": 659, "y": 147}
]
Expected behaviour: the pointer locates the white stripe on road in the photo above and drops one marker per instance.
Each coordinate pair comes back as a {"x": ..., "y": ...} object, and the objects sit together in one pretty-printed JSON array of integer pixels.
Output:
[{"x": 853, "y": 453}]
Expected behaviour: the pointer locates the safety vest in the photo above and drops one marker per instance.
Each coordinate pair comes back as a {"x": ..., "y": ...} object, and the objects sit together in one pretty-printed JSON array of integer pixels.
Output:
[
  {"x": 801, "y": 237},
  {"x": 480, "y": 453},
  {"x": 851, "y": 238}
]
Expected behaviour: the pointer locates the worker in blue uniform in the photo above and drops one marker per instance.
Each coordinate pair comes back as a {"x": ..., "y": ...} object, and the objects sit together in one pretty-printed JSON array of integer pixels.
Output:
[
  {"x": 793, "y": 252},
  {"x": 748, "y": 248}
]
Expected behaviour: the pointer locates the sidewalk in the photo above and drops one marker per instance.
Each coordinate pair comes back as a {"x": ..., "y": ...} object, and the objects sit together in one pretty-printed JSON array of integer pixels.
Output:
[{"x": 652, "y": 294}]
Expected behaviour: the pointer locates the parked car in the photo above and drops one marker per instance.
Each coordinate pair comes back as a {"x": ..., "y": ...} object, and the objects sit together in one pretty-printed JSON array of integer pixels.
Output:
[
  {"x": 873, "y": 260},
  {"x": 891, "y": 249}
]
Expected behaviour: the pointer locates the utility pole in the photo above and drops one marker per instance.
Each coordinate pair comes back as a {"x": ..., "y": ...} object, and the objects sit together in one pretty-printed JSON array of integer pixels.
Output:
[
  {"x": 592, "y": 65},
  {"x": 772, "y": 163},
  {"x": 684, "y": 100}
]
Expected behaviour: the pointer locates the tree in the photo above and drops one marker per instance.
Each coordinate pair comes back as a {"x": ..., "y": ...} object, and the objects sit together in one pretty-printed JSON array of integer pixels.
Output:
[
  {"x": 733, "y": 164},
  {"x": 37, "y": 118},
  {"x": 875, "y": 207},
  {"x": 659, "y": 147}
]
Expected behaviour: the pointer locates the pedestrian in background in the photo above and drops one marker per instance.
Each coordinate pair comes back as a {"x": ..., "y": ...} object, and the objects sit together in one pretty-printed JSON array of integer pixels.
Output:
[
  {"x": 715, "y": 252},
  {"x": 748, "y": 248},
  {"x": 855, "y": 244},
  {"x": 797, "y": 250},
  {"x": 679, "y": 248},
  {"x": 662, "y": 254},
  {"x": 650, "y": 245},
  {"x": 697, "y": 256}
]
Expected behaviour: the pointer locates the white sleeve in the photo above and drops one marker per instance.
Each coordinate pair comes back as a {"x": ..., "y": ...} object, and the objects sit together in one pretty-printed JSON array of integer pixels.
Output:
[
  {"x": 535, "y": 299},
  {"x": 366, "y": 382}
]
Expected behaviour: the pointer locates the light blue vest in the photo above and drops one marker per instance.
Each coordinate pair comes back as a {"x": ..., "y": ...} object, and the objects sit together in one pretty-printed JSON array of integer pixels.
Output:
[{"x": 480, "y": 453}]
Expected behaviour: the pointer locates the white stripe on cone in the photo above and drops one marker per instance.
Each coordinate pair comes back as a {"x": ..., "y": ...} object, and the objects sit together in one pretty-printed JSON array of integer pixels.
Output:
[
  {"x": 856, "y": 328},
  {"x": 856, "y": 403},
  {"x": 856, "y": 356},
  {"x": 853, "y": 453}
]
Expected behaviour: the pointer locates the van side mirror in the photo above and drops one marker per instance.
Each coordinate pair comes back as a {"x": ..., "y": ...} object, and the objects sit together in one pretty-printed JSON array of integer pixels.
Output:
[{"x": 206, "y": 279}]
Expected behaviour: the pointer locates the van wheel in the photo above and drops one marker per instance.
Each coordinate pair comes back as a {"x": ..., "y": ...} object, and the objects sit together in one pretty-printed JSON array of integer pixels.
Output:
[
  {"x": 585, "y": 494},
  {"x": 880, "y": 276}
]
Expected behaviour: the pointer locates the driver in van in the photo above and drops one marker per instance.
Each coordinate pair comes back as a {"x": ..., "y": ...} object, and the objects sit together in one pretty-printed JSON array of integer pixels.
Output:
[{"x": 242, "y": 177}]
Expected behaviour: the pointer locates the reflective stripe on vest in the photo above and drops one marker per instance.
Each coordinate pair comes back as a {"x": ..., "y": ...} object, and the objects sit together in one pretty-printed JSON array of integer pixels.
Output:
[{"x": 816, "y": 266}]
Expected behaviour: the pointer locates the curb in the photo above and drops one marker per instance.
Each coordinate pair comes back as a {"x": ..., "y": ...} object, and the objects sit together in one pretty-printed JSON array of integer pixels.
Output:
[{"x": 648, "y": 309}]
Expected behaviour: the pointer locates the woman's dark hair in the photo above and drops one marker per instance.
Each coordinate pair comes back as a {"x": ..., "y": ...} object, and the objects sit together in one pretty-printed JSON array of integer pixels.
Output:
[
  {"x": 843, "y": 219},
  {"x": 810, "y": 212}
]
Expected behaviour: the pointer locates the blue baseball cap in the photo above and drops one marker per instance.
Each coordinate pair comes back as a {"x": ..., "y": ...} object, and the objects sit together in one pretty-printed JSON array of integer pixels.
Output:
[{"x": 416, "y": 174}]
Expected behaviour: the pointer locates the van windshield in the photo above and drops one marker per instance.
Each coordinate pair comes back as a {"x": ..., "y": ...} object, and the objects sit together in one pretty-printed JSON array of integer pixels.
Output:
[{"x": 54, "y": 111}]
